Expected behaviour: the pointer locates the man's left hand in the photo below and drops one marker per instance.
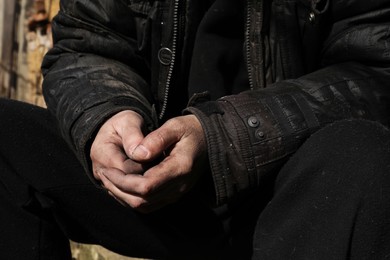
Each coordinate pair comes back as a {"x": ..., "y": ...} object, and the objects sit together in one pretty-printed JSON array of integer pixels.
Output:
[{"x": 181, "y": 144}]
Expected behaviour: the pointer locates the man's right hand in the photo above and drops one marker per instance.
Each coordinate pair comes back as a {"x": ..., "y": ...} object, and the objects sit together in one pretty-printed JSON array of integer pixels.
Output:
[{"x": 116, "y": 139}]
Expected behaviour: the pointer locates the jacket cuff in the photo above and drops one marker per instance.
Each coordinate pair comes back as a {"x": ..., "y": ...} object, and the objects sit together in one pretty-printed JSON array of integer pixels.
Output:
[{"x": 246, "y": 143}]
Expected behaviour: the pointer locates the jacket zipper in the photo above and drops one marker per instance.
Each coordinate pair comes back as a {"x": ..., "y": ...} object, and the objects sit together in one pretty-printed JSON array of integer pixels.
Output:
[
  {"x": 256, "y": 72},
  {"x": 247, "y": 41},
  {"x": 172, "y": 64},
  {"x": 176, "y": 24}
]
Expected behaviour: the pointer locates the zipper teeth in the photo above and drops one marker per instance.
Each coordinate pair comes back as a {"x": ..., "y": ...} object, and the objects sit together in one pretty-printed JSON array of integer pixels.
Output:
[
  {"x": 170, "y": 70},
  {"x": 248, "y": 48}
]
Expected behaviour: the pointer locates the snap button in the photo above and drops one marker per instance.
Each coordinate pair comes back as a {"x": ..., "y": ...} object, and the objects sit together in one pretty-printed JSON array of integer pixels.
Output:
[
  {"x": 165, "y": 56},
  {"x": 260, "y": 134},
  {"x": 253, "y": 122},
  {"x": 312, "y": 17}
]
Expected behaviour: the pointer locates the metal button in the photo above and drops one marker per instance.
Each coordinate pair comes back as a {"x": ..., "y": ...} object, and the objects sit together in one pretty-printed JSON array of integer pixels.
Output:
[
  {"x": 260, "y": 134},
  {"x": 165, "y": 56},
  {"x": 312, "y": 17},
  {"x": 253, "y": 122}
]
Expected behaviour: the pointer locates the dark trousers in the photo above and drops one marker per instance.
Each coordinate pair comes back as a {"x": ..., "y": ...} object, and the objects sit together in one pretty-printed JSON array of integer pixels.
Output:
[{"x": 331, "y": 200}]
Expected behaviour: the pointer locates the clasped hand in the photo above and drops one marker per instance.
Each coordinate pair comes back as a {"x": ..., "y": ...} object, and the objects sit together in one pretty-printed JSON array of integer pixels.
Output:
[{"x": 148, "y": 172}]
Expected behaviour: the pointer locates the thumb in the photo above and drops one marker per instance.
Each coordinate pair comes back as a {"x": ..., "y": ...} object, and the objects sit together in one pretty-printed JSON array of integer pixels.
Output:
[
  {"x": 129, "y": 128},
  {"x": 158, "y": 141},
  {"x": 140, "y": 153}
]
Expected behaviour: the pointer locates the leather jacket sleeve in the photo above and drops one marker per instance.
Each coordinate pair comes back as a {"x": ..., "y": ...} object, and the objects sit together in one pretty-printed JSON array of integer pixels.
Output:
[
  {"x": 96, "y": 68},
  {"x": 251, "y": 135}
]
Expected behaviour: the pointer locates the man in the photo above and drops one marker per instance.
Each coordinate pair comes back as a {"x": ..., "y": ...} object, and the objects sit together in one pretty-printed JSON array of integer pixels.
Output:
[{"x": 223, "y": 129}]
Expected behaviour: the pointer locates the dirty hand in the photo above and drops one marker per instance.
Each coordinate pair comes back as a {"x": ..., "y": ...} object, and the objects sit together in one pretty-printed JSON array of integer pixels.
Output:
[
  {"x": 116, "y": 139},
  {"x": 181, "y": 141}
]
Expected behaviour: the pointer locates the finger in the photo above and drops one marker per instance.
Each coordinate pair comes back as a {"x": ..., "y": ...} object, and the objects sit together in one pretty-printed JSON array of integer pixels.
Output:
[
  {"x": 173, "y": 175},
  {"x": 111, "y": 156},
  {"x": 168, "y": 180},
  {"x": 108, "y": 149},
  {"x": 107, "y": 156},
  {"x": 123, "y": 203},
  {"x": 131, "y": 132},
  {"x": 156, "y": 142},
  {"x": 124, "y": 198},
  {"x": 134, "y": 184},
  {"x": 139, "y": 203},
  {"x": 129, "y": 127},
  {"x": 132, "y": 167},
  {"x": 113, "y": 190}
]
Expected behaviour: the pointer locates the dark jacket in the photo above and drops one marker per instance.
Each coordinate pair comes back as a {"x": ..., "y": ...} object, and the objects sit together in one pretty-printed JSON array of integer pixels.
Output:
[{"x": 309, "y": 63}]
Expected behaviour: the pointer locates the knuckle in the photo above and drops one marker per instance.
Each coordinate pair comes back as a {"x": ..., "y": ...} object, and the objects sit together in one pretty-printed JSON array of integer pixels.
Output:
[
  {"x": 145, "y": 189},
  {"x": 160, "y": 139},
  {"x": 174, "y": 123},
  {"x": 171, "y": 122},
  {"x": 138, "y": 203},
  {"x": 186, "y": 165},
  {"x": 93, "y": 155},
  {"x": 97, "y": 170}
]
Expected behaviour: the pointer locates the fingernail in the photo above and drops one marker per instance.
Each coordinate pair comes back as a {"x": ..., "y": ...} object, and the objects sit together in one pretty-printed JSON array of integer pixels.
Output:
[{"x": 140, "y": 152}]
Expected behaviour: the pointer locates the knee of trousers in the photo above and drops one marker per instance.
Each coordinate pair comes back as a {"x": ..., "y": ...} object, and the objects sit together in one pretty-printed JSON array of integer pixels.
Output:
[
  {"x": 347, "y": 151},
  {"x": 331, "y": 196}
]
